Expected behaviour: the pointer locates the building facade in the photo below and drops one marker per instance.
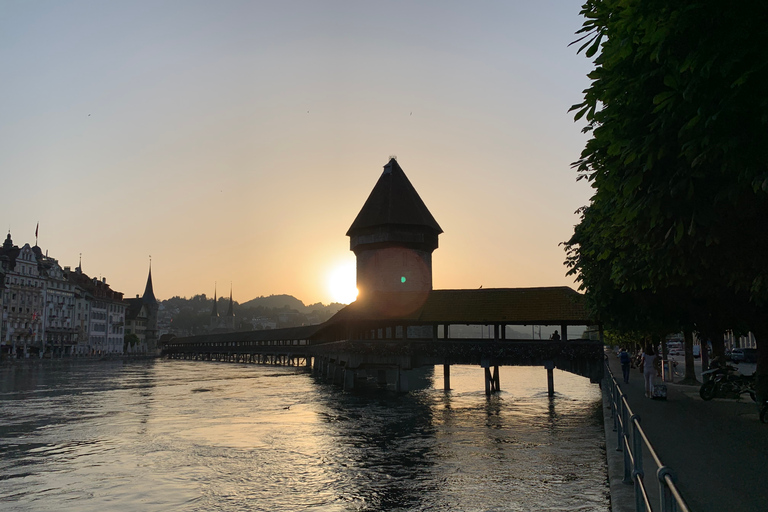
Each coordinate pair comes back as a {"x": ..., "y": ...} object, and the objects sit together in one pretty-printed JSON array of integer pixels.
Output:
[
  {"x": 99, "y": 315},
  {"x": 22, "y": 326},
  {"x": 52, "y": 311}
]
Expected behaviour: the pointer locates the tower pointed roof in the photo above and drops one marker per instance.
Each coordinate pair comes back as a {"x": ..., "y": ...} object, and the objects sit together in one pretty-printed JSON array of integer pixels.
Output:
[
  {"x": 149, "y": 294},
  {"x": 230, "y": 309},
  {"x": 215, "y": 310},
  {"x": 394, "y": 201},
  {"x": 8, "y": 244}
]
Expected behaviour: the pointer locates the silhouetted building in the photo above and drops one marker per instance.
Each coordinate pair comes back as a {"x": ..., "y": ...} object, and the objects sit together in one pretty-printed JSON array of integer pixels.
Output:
[
  {"x": 141, "y": 318},
  {"x": 393, "y": 237},
  {"x": 219, "y": 323}
]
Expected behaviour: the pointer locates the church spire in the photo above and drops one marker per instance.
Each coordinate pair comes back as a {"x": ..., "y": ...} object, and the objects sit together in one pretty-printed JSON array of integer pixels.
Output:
[
  {"x": 230, "y": 310},
  {"x": 215, "y": 310},
  {"x": 149, "y": 294}
]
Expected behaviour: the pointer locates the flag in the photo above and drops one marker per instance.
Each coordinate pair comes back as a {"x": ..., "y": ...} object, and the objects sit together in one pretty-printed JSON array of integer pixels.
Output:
[{"x": 36, "y": 228}]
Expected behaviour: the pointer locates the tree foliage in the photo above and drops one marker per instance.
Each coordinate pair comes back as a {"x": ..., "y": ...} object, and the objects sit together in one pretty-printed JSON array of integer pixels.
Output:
[
  {"x": 679, "y": 149},
  {"x": 677, "y": 228}
]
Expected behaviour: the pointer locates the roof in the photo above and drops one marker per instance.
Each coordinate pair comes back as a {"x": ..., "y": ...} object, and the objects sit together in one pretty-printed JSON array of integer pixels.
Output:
[
  {"x": 95, "y": 288},
  {"x": 288, "y": 333},
  {"x": 393, "y": 201},
  {"x": 149, "y": 294},
  {"x": 513, "y": 306},
  {"x": 9, "y": 253},
  {"x": 215, "y": 310},
  {"x": 133, "y": 310}
]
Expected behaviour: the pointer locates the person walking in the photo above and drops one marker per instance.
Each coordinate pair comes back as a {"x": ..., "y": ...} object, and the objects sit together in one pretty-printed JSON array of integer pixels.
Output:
[
  {"x": 625, "y": 361},
  {"x": 649, "y": 371}
]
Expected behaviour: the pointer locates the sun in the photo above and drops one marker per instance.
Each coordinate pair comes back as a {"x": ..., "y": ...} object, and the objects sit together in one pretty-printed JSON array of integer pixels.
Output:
[{"x": 341, "y": 282}]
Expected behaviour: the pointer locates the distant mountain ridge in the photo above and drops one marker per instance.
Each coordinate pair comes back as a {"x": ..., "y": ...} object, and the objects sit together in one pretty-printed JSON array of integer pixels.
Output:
[
  {"x": 289, "y": 302},
  {"x": 184, "y": 317}
]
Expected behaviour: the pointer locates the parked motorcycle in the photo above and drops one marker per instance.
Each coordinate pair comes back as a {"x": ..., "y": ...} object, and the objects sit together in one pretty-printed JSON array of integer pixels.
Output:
[{"x": 725, "y": 382}]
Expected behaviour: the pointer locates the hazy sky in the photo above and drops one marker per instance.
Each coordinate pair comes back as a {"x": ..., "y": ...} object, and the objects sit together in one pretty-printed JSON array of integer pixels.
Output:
[{"x": 237, "y": 141}]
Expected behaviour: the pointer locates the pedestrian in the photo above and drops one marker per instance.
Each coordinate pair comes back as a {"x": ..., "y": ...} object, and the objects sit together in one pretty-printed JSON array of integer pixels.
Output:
[
  {"x": 625, "y": 361},
  {"x": 555, "y": 336},
  {"x": 649, "y": 371}
]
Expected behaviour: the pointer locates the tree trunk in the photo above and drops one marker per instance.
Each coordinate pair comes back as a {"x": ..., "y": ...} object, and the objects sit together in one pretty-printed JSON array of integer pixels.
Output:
[
  {"x": 761, "y": 373},
  {"x": 704, "y": 338},
  {"x": 662, "y": 353},
  {"x": 690, "y": 371},
  {"x": 718, "y": 344}
]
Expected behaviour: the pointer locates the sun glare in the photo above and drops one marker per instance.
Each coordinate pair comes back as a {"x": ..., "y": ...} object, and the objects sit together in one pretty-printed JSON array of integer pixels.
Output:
[{"x": 342, "y": 281}]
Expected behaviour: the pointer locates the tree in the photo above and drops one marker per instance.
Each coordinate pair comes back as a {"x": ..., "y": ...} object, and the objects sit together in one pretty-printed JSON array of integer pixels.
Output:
[
  {"x": 130, "y": 340},
  {"x": 678, "y": 157}
]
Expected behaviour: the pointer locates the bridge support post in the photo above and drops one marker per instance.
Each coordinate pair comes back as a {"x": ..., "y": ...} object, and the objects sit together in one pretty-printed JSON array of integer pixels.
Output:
[
  {"x": 550, "y": 366},
  {"x": 446, "y": 377},
  {"x": 349, "y": 379},
  {"x": 491, "y": 379},
  {"x": 402, "y": 381}
]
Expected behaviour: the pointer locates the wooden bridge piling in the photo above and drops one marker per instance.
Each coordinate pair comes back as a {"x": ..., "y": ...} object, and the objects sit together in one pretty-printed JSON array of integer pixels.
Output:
[{"x": 550, "y": 366}]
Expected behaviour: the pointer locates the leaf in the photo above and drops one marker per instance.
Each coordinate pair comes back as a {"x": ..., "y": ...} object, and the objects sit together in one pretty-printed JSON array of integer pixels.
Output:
[
  {"x": 596, "y": 46},
  {"x": 680, "y": 230},
  {"x": 663, "y": 96}
]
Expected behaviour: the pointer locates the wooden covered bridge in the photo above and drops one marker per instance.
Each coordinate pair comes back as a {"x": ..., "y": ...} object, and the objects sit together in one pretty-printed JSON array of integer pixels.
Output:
[{"x": 380, "y": 340}]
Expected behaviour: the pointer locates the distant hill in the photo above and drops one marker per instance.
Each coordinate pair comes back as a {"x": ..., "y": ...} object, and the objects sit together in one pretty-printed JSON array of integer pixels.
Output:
[
  {"x": 183, "y": 316},
  {"x": 275, "y": 302},
  {"x": 289, "y": 302}
]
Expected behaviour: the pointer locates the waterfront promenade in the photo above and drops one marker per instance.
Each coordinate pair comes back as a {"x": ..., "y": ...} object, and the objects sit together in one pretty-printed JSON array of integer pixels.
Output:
[{"x": 718, "y": 449}]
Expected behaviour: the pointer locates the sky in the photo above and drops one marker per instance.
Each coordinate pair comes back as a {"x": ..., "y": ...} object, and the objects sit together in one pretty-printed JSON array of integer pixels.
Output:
[{"x": 234, "y": 142}]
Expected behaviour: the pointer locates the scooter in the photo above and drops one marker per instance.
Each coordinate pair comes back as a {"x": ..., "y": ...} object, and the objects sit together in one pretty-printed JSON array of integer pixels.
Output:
[{"x": 726, "y": 382}]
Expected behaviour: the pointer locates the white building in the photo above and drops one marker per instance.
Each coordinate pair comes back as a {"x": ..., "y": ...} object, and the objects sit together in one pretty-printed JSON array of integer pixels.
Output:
[{"x": 23, "y": 291}]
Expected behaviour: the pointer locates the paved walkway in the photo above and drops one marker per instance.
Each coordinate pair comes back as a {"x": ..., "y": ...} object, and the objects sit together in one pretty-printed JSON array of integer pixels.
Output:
[{"x": 718, "y": 449}]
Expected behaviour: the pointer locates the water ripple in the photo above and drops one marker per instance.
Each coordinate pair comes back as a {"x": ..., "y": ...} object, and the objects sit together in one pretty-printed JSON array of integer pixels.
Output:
[{"x": 171, "y": 435}]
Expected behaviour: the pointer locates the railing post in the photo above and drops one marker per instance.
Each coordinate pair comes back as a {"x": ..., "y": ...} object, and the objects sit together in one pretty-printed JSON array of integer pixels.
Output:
[
  {"x": 637, "y": 442},
  {"x": 669, "y": 495},
  {"x": 637, "y": 472},
  {"x": 667, "y": 501},
  {"x": 625, "y": 446},
  {"x": 618, "y": 424}
]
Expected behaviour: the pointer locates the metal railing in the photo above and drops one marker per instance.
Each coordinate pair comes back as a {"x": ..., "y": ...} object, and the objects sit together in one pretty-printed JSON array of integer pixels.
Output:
[{"x": 631, "y": 439}]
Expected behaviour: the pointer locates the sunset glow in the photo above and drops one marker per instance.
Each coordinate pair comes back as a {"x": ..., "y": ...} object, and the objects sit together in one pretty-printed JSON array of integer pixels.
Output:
[
  {"x": 246, "y": 137},
  {"x": 341, "y": 283}
]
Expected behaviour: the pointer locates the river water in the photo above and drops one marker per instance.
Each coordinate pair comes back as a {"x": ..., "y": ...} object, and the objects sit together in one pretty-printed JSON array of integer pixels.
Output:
[{"x": 165, "y": 435}]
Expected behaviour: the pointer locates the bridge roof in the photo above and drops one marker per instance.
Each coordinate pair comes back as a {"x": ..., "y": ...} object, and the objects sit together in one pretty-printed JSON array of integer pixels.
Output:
[
  {"x": 289, "y": 333},
  {"x": 514, "y": 306}
]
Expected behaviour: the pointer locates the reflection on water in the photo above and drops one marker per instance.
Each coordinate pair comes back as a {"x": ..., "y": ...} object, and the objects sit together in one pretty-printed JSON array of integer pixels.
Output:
[{"x": 180, "y": 435}]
